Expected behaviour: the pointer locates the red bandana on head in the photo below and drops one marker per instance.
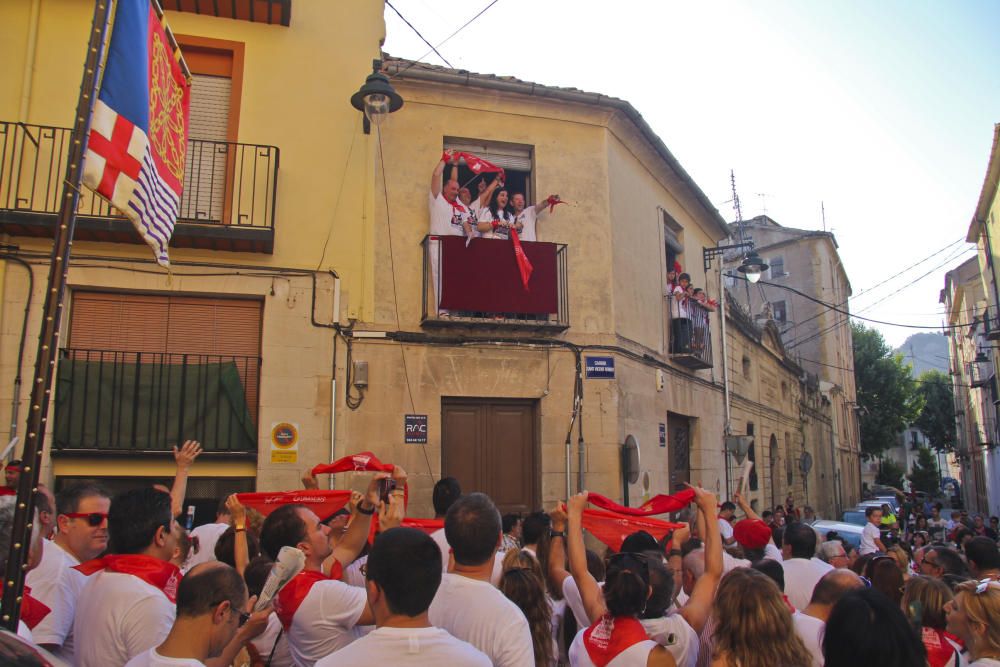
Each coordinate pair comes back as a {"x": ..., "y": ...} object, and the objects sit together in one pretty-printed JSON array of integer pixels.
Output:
[
  {"x": 158, "y": 573},
  {"x": 290, "y": 598},
  {"x": 609, "y": 636}
]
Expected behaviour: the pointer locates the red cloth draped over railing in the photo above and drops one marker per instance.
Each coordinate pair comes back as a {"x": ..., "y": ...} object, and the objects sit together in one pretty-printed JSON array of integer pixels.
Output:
[{"x": 485, "y": 277}]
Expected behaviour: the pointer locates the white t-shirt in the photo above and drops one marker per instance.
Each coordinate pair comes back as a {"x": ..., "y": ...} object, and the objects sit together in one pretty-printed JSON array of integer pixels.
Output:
[
  {"x": 635, "y": 655},
  {"x": 476, "y": 612},
  {"x": 673, "y": 633},
  {"x": 119, "y": 616},
  {"x": 529, "y": 217},
  {"x": 985, "y": 662},
  {"x": 679, "y": 310},
  {"x": 153, "y": 659},
  {"x": 810, "y": 631},
  {"x": 273, "y": 639},
  {"x": 352, "y": 573},
  {"x": 446, "y": 220},
  {"x": 801, "y": 575},
  {"x": 773, "y": 552},
  {"x": 869, "y": 534},
  {"x": 407, "y": 646},
  {"x": 486, "y": 215},
  {"x": 208, "y": 536},
  {"x": 571, "y": 594},
  {"x": 325, "y": 621},
  {"x": 57, "y": 585},
  {"x": 725, "y": 527},
  {"x": 730, "y": 563},
  {"x": 439, "y": 538}
]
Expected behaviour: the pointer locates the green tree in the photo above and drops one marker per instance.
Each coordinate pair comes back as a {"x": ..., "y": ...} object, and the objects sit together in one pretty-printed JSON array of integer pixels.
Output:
[
  {"x": 924, "y": 474},
  {"x": 890, "y": 473},
  {"x": 887, "y": 394},
  {"x": 937, "y": 418}
]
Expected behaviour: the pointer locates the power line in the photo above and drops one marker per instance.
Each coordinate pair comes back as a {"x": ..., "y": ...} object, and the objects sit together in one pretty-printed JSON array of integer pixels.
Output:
[
  {"x": 419, "y": 35},
  {"x": 464, "y": 26}
]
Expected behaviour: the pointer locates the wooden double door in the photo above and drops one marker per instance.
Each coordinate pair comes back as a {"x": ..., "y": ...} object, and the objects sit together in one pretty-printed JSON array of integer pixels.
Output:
[{"x": 491, "y": 445}]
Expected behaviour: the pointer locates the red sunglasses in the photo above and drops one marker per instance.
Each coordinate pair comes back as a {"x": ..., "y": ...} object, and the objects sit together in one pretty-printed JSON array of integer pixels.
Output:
[{"x": 93, "y": 518}]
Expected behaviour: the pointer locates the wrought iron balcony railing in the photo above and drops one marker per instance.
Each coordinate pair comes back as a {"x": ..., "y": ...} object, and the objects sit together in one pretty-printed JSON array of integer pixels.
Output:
[
  {"x": 479, "y": 285},
  {"x": 228, "y": 203},
  {"x": 980, "y": 372},
  {"x": 691, "y": 336},
  {"x": 124, "y": 402}
]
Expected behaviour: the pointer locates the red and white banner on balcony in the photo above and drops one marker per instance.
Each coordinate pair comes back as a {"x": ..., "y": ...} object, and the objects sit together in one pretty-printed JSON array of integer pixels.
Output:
[{"x": 139, "y": 128}]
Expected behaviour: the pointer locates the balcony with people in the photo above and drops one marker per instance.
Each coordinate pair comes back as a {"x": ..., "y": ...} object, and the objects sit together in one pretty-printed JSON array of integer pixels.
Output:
[
  {"x": 689, "y": 310},
  {"x": 228, "y": 203}
]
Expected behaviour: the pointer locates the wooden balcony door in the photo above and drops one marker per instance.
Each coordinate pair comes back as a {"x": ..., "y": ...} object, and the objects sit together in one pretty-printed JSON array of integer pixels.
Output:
[
  {"x": 491, "y": 445},
  {"x": 679, "y": 450}
]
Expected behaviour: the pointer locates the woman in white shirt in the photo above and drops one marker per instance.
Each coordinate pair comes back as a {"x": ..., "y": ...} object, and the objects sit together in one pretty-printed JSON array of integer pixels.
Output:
[{"x": 497, "y": 219}]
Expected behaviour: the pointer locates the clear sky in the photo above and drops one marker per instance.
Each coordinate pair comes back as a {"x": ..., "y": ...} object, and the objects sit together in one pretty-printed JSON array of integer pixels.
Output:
[{"x": 882, "y": 110}]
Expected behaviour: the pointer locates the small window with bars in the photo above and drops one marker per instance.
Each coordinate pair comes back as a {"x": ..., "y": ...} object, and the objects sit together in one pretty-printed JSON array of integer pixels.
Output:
[{"x": 777, "y": 267}]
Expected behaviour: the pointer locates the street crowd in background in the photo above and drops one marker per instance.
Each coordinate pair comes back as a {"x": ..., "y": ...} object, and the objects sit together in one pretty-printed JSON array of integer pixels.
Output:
[{"x": 118, "y": 581}]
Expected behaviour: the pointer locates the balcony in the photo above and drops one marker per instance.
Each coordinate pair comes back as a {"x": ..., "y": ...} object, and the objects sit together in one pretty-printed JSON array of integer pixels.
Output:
[
  {"x": 274, "y": 12},
  {"x": 991, "y": 323},
  {"x": 986, "y": 432},
  {"x": 230, "y": 191},
  {"x": 980, "y": 372},
  {"x": 479, "y": 285},
  {"x": 691, "y": 338},
  {"x": 113, "y": 402}
]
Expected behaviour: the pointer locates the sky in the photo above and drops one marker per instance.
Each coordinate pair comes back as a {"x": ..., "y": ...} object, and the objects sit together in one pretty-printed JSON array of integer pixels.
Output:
[{"x": 881, "y": 111}]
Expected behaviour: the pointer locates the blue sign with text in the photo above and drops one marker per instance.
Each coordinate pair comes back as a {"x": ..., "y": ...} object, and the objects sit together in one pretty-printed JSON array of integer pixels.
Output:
[{"x": 600, "y": 368}]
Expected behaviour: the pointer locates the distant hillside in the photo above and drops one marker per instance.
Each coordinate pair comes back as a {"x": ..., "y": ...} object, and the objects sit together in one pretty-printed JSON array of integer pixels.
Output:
[{"x": 925, "y": 351}]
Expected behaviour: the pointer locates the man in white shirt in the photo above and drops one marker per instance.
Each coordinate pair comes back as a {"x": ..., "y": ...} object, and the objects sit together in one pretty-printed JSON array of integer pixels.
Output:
[
  {"x": 401, "y": 579},
  {"x": 82, "y": 517},
  {"x": 127, "y": 604},
  {"x": 317, "y": 610},
  {"x": 726, "y": 512},
  {"x": 802, "y": 569},
  {"x": 870, "y": 534},
  {"x": 212, "y": 621},
  {"x": 449, "y": 217},
  {"x": 810, "y": 622},
  {"x": 32, "y": 611},
  {"x": 528, "y": 216},
  {"x": 467, "y": 605},
  {"x": 206, "y": 536}
]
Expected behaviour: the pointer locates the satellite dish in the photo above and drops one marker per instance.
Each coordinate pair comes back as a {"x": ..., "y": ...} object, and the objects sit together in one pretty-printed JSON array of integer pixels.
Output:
[
  {"x": 630, "y": 459},
  {"x": 805, "y": 463}
]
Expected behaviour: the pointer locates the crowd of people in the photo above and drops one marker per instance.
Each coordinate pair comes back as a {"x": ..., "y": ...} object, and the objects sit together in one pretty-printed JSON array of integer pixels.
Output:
[{"x": 118, "y": 581}]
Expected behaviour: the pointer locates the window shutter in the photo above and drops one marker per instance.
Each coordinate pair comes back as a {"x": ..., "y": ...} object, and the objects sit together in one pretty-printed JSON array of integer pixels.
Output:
[
  {"x": 506, "y": 156},
  {"x": 205, "y": 167}
]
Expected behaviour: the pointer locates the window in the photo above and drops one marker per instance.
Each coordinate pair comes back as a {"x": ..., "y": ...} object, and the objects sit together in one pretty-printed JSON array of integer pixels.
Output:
[
  {"x": 746, "y": 367},
  {"x": 778, "y": 311},
  {"x": 753, "y": 481},
  {"x": 776, "y": 267},
  {"x": 673, "y": 242}
]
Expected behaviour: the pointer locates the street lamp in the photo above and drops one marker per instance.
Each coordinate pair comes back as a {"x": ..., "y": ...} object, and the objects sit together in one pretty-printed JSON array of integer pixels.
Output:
[
  {"x": 376, "y": 98},
  {"x": 752, "y": 266}
]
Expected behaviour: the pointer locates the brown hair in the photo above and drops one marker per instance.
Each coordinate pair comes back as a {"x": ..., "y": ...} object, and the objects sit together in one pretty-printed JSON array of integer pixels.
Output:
[
  {"x": 980, "y": 608},
  {"x": 523, "y": 584},
  {"x": 755, "y": 627},
  {"x": 924, "y": 599}
]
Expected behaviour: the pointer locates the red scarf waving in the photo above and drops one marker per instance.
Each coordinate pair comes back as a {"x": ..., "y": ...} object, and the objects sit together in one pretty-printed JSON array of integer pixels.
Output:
[
  {"x": 353, "y": 463},
  {"x": 289, "y": 599},
  {"x": 155, "y": 572},
  {"x": 659, "y": 504},
  {"x": 33, "y": 610},
  {"x": 523, "y": 265},
  {"x": 612, "y": 529},
  {"x": 609, "y": 636}
]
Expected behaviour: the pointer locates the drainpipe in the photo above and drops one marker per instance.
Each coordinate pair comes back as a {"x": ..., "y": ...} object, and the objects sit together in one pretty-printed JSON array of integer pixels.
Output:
[
  {"x": 335, "y": 325},
  {"x": 725, "y": 374}
]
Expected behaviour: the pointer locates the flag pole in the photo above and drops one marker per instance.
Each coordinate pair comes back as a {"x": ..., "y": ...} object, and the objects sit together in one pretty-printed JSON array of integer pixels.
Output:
[{"x": 48, "y": 339}]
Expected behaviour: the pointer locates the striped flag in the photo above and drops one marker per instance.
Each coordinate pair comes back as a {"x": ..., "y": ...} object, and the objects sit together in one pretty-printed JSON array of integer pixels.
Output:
[{"x": 139, "y": 127}]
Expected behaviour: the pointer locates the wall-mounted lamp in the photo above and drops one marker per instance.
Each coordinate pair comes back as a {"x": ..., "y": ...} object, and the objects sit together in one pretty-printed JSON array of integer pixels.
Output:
[
  {"x": 751, "y": 267},
  {"x": 376, "y": 98}
]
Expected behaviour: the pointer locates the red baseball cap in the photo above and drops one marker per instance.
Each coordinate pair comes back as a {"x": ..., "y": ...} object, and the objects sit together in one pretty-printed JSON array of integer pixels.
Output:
[{"x": 752, "y": 533}]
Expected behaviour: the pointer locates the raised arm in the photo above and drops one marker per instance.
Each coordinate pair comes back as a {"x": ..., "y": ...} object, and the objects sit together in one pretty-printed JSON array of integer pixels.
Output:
[
  {"x": 590, "y": 592},
  {"x": 699, "y": 605},
  {"x": 241, "y": 552},
  {"x": 541, "y": 206},
  {"x": 363, "y": 507},
  {"x": 437, "y": 176},
  {"x": 557, "y": 573},
  {"x": 484, "y": 196},
  {"x": 184, "y": 457},
  {"x": 745, "y": 506}
]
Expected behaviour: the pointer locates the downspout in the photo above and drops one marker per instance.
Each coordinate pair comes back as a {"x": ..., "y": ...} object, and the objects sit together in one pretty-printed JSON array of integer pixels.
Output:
[
  {"x": 29, "y": 60},
  {"x": 335, "y": 325},
  {"x": 15, "y": 402},
  {"x": 725, "y": 376}
]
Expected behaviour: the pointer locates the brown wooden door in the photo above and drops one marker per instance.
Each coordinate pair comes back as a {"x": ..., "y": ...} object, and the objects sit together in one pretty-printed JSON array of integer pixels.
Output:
[
  {"x": 679, "y": 439},
  {"x": 490, "y": 445}
]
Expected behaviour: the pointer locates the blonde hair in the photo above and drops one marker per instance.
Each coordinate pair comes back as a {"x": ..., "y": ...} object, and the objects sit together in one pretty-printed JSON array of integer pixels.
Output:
[
  {"x": 932, "y": 595},
  {"x": 981, "y": 608},
  {"x": 755, "y": 627},
  {"x": 523, "y": 584}
]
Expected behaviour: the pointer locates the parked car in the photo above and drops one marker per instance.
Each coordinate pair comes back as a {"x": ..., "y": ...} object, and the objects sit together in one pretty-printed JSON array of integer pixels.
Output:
[
  {"x": 855, "y": 517},
  {"x": 849, "y": 532}
]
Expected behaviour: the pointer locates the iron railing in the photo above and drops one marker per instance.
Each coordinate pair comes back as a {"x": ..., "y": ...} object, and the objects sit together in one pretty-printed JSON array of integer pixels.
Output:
[
  {"x": 550, "y": 282},
  {"x": 980, "y": 372},
  {"x": 225, "y": 183},
  {"x": 116, "y": 401},
  {"x": 690, "y": 337}
]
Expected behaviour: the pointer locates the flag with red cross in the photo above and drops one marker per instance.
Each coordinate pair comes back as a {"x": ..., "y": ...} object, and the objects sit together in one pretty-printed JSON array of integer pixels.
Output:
[{"x": 139, "y": 128}]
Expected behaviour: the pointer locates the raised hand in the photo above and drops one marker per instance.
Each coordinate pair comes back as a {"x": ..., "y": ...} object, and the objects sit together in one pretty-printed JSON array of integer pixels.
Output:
[{"x": 186, "y": 455}]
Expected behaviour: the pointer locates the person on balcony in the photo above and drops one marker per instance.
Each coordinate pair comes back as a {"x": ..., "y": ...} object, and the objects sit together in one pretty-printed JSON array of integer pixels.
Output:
[
  {"x": 680, "y": 316},
  {"x": 528, "y": 216},
  {"x": 449, "y": 217},
  {"x": 497, "y": 219}
]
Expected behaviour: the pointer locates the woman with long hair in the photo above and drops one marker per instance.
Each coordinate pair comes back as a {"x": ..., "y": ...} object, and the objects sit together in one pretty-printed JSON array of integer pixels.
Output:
[
  {"x": 924, "y": 600},
  {"x": 754, "y": 626},
  {"x": 497, "y": 219},
  {"x": 884, "y": 574},
  {"x": 866, "y": 628},
  {"x": 523, "y": 584},
  {"x": 974, "y": 617}
]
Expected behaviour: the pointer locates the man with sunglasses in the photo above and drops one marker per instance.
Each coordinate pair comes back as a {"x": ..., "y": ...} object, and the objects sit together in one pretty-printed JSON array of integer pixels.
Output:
[
  {"x": 213, "y": 620},
  {"x": 82, "y": 519}
]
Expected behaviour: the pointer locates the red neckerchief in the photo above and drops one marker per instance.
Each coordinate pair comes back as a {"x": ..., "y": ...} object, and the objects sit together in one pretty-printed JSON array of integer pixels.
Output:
[
  {"x": 289, "y": 598},
  {"x": 609, "y": 636},
  {"x": 7, "y": 491},
  {"x": 33, "y": 610},
  {"x": 160, "y": 574},
  {"x": 457, "y": 205},
  {"x": 788, "y": 603},
  {"x": 939, "y": 651}
]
